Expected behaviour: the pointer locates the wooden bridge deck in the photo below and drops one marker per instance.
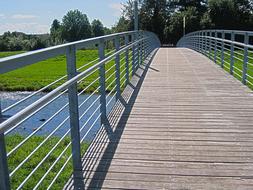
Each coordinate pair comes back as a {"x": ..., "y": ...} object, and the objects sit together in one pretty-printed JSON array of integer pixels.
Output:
[{"x": 187, "y": 125}]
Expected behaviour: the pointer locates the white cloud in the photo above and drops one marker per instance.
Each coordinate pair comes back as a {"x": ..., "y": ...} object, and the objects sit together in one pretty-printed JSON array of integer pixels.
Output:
[
  {"x": 2, "y": 16},
  {"x": 117, "y": 7},
  {"x": 29, "y": 28},
  {"x": 23, "y": 16}
]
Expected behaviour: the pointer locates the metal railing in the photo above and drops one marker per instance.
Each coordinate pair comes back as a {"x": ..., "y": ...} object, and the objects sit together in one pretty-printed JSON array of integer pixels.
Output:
[
  {"x": 232, "y": 50},
  {"x": 107, "y": 75}
]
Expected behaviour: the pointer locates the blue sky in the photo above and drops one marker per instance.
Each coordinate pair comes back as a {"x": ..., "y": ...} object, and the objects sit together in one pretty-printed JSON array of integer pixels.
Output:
[{"x": 36, "y": 16}]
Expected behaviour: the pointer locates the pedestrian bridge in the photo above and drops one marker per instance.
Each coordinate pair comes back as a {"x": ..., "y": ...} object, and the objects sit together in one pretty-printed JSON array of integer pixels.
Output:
[{"x": 182, "y": 118}]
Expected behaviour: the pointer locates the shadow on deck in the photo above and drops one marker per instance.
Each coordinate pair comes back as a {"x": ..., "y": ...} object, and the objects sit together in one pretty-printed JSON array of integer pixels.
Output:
[{"x": 98, "y": 157}]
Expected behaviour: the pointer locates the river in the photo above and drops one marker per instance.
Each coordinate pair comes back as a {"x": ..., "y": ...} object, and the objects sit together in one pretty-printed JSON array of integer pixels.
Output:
[{"x": 40, "y": 118}]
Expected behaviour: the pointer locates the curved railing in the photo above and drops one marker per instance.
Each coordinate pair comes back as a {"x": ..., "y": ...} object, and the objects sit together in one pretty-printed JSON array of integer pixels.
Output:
[
  {"x": 232, "y": 50},
  {"x": 45, "y": 161}
]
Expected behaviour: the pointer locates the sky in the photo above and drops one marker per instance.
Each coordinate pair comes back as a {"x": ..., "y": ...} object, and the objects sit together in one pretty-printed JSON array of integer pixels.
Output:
[{"x": 36, "y": 16}]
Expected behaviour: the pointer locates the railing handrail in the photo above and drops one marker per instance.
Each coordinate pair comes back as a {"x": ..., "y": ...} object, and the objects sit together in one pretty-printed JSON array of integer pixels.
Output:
[
  {"x": 223, "y": 40},
  {"x": 18, "y": 61},
  {"x": 229, "y": 48},
  {"x": 237, "y": 32},
  {"x": 103, "y": 79},
  {"x": 6, "y": 125}
]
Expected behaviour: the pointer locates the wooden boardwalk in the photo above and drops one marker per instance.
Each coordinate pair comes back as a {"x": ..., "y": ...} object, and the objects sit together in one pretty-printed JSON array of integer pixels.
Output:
[{"x": 186, "y": 125}]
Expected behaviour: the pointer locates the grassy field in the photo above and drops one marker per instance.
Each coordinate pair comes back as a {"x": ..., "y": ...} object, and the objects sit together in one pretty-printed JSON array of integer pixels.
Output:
[
  {"x": 238, "y": 64},
  {"x": 16, "y": 158},
  {"x": 36, "y": 76}
]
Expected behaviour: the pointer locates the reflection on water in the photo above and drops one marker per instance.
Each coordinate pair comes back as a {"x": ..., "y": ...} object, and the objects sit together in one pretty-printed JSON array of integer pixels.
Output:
[{"x": 43, "y": 116}]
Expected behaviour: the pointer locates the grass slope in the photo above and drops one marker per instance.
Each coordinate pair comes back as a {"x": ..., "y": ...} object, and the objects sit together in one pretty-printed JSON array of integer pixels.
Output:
[
  {"x": 36, "y": 76},
  {"x": 16, "y": 158}
]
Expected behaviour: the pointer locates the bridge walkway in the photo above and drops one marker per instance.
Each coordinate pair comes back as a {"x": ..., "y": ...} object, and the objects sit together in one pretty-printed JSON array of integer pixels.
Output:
[{"x": 182, "y": 123}]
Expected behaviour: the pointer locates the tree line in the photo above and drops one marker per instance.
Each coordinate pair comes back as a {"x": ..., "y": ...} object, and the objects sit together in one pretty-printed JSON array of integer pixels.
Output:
[
  {"x": 165, "y": 18},
  {"x": 74, "y": 26}
]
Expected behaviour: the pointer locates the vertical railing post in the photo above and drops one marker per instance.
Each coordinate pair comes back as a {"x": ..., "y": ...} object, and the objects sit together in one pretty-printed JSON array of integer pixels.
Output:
[
  {"x": 210, "y": 44},
  {"x": 74, "y": 118},
  {"x": 201, "y": 41},
  {"x": 245, "y": 61},
  {"x": 136, "y": 28},
  {"x": 133, "y": 54},
  {"x": 232, "y": 53},
  {"x": 205, "y": 36},
  {"x": 4, "y": 171},
  {"x": 138, "y": 50},
  {"x": 141, "y": 48},
  {"x": 215, "y": 47},
  {"x": 222, "y": 48},
  {"x": 117, "y": 65},
  {"x": 127, "y": 59},
  {"x": 101, "y": 54},
  {"x": 144, "y": 48}
]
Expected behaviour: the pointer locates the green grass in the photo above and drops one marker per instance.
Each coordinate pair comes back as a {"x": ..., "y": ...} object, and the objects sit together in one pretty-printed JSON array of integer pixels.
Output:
[
  {"x": 36, "y": 76},
  {"x": 238, "y": 64},
  {"x": 10, "y": 53},
  {"x": 16, "y": 158}
]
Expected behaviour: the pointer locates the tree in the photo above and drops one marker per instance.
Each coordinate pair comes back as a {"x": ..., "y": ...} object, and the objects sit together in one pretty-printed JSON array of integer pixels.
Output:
[
  {"x": 231, "y": 14},
  {"x": 174, "y": 29},
  {"x": 97, "y": 28},
  {"x": 153, "y": 16},
  {"x": 122, "y": 25},
  {"x": 75, "y": 26},
  {"x": 56, "y": 32},
  {"x": 206, "y": 21},
  {"x": 107, "y": 30},
  {"x": 182, "y": 5}
]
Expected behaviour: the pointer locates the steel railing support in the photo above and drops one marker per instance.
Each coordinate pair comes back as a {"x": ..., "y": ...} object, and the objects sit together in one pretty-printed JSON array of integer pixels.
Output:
[
  {"x": 205, "y": 36},
  {"x": 74, "y": 118},
  {"x": 245, "y": 60},
  {"x": 232, "y": 48},
  {"x": 127, "y": 59},
  {"x": 215, "y": 47},
  {"x": 199, "y": 42},
  {"x": 117, "y": 68},
  {"x": 222, "y": 49},
  {"x": 101, "y": 53},
  {"x": 141, "y": 48},
  {"x": 4, "y": 172},
  {"x": 133, "y": 55},
  {"x": 209, "y": 44}
]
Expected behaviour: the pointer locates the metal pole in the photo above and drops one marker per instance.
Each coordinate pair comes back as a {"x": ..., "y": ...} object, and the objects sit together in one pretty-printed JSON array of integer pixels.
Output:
[
  {"x": 215, "y": 48},
  {"x": 117, "y": 65},
  {"x": 141, "y": 48},
  {"x": 101, "y": 52},
  {"x": 245, "y": 61},
  {"x": 205, "y": 36},
  {"x": 136, "y": 19},
  {"x": 136, "y": 28},
  {"x": 133, "y": 55},
  {"x": 222, "y": 49},
  {"x": 74, "y": 118},
  {"x": 210, "y": 44},
  {"x": 232, "y": 54},
  {"x": 127, "y": 59},
  {"x": 4, "y": 172},
  {"x": 184, "y": 23}
]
